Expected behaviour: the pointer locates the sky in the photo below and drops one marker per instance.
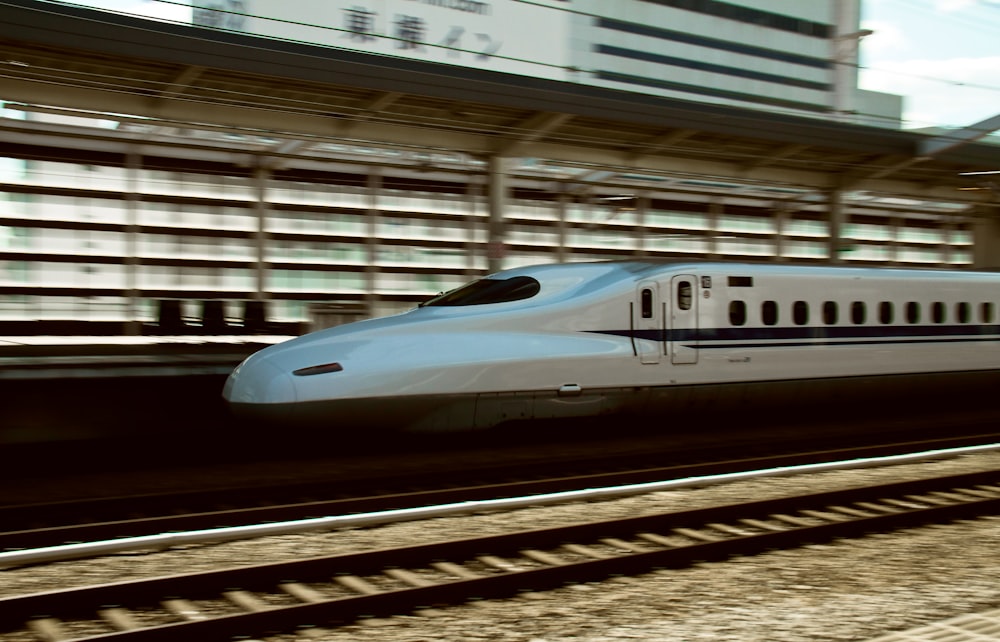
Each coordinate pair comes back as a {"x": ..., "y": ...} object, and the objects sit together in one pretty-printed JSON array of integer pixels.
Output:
[{"x": 943, "y": 56}]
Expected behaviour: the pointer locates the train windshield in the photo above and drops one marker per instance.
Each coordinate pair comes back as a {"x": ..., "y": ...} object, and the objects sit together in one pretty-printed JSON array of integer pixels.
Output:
[{"x": 486, "y": 291}]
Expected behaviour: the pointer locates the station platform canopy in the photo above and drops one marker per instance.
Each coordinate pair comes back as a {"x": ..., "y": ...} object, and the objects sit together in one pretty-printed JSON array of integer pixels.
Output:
[{"x": 157, "y": 82}]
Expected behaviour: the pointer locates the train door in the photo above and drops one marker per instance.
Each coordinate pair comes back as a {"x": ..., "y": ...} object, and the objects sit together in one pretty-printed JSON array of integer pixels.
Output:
[
  {"x": 647, "y": 322},
  {"x": 684, "y": 319}
]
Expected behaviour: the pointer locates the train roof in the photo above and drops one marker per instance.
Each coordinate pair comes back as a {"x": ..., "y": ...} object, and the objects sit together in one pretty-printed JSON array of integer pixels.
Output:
[{"x": 645, "y": 268}]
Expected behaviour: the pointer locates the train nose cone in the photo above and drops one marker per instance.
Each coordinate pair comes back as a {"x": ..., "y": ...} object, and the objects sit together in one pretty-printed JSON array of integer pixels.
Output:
[{"x": 259, "y": 382}]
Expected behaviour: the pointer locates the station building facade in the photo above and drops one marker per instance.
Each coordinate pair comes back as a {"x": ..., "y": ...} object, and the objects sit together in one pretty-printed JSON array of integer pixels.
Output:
[{"x": 371, "y": 230}]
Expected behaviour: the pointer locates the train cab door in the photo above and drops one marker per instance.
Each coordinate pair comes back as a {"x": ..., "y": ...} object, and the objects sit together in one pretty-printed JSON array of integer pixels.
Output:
[
  {"x": 647, "y": 322},
  {"x": 683, "y": 333}
]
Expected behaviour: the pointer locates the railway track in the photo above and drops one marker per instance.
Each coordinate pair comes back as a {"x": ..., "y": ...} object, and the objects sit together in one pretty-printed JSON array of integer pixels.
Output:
[
  {"x": 33, "y": 526},
  {"x": 324, "y": 591}
]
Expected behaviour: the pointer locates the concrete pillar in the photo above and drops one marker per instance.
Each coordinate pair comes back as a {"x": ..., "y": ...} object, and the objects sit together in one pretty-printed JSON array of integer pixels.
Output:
[
  {"x": 947, "y": 238},
  {"x": 641, "y": 207},
  {"x": 836, "y": 219},
  {"x": 895, "y": 225},
  {"x": 715, "y": 209},
  {"x": 475, "y": 194},
  {"x": 562, "y": 207},
  {"x": 261, "y": 176},
  {"x": 985, "y": 238},
  {"x": 373, "y": 187},
  {"x": 133, "y": 326},
  {"x": 781, "y": 212},
  {"x": 498, "y": 198}
]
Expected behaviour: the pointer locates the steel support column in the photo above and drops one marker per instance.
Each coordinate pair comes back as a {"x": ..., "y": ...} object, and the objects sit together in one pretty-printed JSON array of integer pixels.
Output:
[
  {"x": 781, "y": 213},
  {"x": 373, "y": 187},
  {"x": 133, "y": 325},
  {"x": 562, "y": 208},
  {"x": 836, "y": 218},
  {"x": 641, "y": 207},
  {"x": 498, "y": 198},
  {"x": 261, "y": 176},
  {"x": 986, "y": 239}
]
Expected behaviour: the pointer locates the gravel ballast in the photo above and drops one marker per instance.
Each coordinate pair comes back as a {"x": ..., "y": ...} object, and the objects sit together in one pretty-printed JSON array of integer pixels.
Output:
[{"x": 846, "y": 590}]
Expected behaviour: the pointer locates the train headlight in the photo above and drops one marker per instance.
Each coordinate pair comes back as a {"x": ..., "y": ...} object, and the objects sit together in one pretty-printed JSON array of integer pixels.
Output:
[{"x": 320, "y": 369}]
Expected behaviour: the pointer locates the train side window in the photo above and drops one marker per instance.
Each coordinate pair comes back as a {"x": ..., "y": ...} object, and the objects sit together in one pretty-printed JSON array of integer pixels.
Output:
[
  {"x": 886, "y": 313},
  {"x": 913, "y": 312},
  {"x": 684, "y": 295},
  {"x": 737, "y": 312},
  {"x": 830, "y": 312},
  {"x": 646, "y": 303},
  {"x": 800, "y": 313},
  {"x": 986, "y": 313},
  {"x": 858, "y": 312},
  {"x": 937, "y": 312},
  {"x": 962, "y": 312},
  {"x": 769, "y": 312}
]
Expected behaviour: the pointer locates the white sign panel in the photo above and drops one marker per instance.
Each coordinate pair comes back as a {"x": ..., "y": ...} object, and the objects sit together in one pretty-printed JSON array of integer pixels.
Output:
[{"x": 502, "y": 35}]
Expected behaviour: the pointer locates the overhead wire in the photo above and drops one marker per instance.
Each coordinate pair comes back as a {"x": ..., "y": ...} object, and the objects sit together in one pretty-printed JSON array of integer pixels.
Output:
[
  {"x": 259, "y": 101},
  {"x": 575, "y": 11}
]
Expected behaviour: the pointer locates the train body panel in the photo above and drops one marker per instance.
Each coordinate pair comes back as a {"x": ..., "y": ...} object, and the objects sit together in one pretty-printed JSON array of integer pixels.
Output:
[{"x": 640, "y": 338}]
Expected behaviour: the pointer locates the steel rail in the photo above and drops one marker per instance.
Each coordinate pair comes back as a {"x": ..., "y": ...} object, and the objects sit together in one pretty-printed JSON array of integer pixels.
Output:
[
  {"x": 200, "y": 519},
  {"x": 640, "y": 544},
  {"x": 417, "y": 506}
]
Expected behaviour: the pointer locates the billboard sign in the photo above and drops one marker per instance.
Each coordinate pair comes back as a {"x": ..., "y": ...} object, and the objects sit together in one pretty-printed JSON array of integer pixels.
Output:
[{"x": 501, "y": 35}]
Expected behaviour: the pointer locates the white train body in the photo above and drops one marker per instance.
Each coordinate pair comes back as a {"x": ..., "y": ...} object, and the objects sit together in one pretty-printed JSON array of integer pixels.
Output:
[{"x": 639, "y": 338}]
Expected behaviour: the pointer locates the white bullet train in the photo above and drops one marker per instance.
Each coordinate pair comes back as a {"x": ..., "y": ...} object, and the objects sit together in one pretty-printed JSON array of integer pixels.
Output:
[{"x": 650, "y": 340}]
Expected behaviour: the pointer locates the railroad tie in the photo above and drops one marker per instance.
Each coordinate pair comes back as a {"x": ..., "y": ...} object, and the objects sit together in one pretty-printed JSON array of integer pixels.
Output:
[
  {"x": 121, "y": 619},
  {"x": 306, "y": 593},
  {"x": 357, "y": 584},
  {"x": 729, "y": 530},
  {"x": 700, "y": 536},
  {"x": 953, "y": 497},
  {"x": 48, "y": 629},
  {"x": 622, "y": 545},
  {"x": 302, "y": 592},
  {"x": 541, "y": 556},
  {"x": 766, "y": 526},
  {"x": 824, "y": 515},
  {"x": 497, "y": 562},
  {"x": 408, "y": 577},
  {"x": 246, "y": 601},
  {"x": 878, "y": 508},
  {"x": 586, "y": 551},
  {"x": 908, "y": 505},
  {"x": 454, "y": 569},
  {"x": 847, "y": 510},
  {"x": 791, "y": 520},
  {"x": 929, "y": 499},
  {"x": 978, "y": 493},
  {"x": 657, "y": 539},
  {"x": 184, "y": 609}
]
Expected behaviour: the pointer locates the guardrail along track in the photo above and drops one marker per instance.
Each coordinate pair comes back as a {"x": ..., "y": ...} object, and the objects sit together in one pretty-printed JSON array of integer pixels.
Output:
[{"x": 257, "y": 599}]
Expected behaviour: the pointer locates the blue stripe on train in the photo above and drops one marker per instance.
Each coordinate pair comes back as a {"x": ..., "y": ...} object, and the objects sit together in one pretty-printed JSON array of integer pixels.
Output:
[{"x": 858, "y": 335}]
